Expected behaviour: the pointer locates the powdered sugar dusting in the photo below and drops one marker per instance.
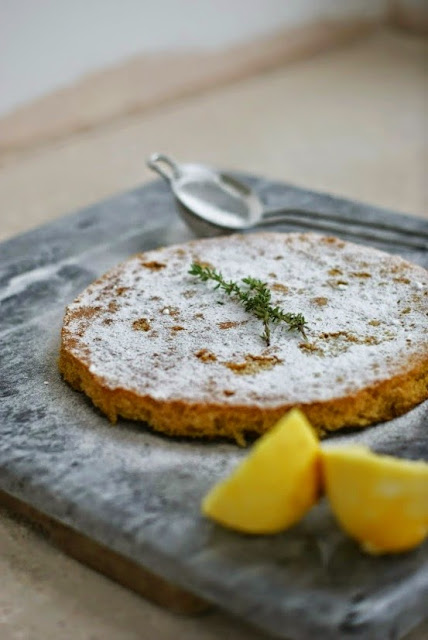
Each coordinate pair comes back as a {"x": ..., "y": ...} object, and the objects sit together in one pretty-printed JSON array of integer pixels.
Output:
[{"x": 142, "y": 326}]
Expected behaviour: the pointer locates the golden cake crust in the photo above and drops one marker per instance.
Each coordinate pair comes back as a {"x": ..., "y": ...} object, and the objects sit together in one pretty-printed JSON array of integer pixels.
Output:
[{"x": 149, "y": 342}]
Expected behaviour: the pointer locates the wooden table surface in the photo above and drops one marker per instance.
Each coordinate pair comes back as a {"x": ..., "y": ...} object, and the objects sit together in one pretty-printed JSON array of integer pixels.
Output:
[{"x": 352, "y": 121}]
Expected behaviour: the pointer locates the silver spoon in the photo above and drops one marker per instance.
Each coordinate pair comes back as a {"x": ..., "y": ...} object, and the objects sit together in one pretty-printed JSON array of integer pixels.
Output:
[{"x": 213, "y": 202}]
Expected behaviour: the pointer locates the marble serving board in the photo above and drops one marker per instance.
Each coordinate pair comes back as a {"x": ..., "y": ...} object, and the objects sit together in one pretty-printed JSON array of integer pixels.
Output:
[{"x": 136, "y": 493}]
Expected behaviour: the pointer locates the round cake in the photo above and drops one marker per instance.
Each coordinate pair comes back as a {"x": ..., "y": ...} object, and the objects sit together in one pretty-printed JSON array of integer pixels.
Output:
[{"x": 153, "y": 340}]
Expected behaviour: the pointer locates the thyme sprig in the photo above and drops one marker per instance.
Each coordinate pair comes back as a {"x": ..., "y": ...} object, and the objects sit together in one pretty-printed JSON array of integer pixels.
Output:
[{"x": 255, "y": 297}]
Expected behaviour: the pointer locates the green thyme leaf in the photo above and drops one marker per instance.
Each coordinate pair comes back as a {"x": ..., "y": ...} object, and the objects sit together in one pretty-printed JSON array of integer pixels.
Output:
[{"x": 255, "y": 298}]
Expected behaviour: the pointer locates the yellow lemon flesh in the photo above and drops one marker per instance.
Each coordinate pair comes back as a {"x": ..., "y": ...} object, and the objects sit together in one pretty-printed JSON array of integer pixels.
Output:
[
  {"x": 275, "y": 485},
  {"x": 380, "y": 501}
]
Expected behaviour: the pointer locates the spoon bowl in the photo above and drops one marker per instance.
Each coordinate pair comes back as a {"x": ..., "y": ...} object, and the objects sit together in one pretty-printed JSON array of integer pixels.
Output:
[{"x": 209, "y": 200}]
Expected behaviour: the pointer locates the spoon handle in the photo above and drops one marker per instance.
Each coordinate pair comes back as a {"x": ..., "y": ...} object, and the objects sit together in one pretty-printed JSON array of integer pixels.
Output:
[
  {"x": 337, "y": 225},
  {"x": 282, "y": 215}
]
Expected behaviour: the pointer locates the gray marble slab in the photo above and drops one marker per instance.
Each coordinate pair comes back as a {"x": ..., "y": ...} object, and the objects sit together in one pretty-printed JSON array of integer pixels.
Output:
[{"x": 138, "y": 492}]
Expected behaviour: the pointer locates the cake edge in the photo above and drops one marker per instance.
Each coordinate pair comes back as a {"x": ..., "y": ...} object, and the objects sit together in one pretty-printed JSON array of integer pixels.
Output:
[{"x": 375, "y": 403}]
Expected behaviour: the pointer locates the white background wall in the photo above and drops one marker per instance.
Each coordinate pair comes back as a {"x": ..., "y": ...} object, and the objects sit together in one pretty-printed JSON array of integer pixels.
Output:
[{"x": 47, "y": 44}]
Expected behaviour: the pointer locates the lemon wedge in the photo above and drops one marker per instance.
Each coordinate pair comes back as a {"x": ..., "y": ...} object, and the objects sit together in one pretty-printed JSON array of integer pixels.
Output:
[
  {"x": 380, "y": 501},
  {"x": 275, "y": 485}
]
